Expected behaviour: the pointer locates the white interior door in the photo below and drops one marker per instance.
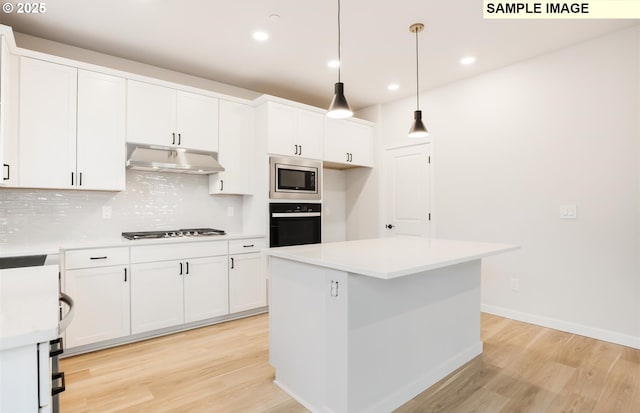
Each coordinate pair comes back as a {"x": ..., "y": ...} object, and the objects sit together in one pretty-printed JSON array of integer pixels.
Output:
[{"x": 408, "y": 203}]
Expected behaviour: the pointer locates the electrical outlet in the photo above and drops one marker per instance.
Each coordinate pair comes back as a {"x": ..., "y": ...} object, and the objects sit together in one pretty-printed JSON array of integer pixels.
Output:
[
  {"x": 230, "y": 211},
  {"x": 106, "y": 212},
  {"x": 568, "y": 211},
  {"x": 515, "y": 284}
]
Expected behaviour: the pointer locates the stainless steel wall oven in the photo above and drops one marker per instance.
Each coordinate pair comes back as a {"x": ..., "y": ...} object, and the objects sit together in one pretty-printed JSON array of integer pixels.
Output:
[{"x": 294, "y": 224}]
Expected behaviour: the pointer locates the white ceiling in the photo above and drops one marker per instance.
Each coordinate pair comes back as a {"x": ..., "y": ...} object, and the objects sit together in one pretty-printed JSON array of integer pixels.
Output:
[{"x": 212, "y": 39}]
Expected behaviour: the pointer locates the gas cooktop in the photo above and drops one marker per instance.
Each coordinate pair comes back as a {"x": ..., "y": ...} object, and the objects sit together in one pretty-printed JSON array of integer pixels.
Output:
[{"x": 178, "y": 233}]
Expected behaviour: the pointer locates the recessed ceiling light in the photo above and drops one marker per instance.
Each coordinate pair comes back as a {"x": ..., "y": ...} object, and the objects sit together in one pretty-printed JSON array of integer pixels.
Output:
[
  {"x": 393, "y": 86},
  {"x": 468, "y": 60},
  {"x": 333, "y": 64},
  {"x": 260, "y": 36},
  {"x": 274, "y": 17}
]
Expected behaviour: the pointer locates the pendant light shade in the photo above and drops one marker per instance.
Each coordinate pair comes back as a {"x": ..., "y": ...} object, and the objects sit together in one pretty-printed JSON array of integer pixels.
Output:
[
  {"x": 339, "y": 107},
  {"x": 418, "y": 130}
]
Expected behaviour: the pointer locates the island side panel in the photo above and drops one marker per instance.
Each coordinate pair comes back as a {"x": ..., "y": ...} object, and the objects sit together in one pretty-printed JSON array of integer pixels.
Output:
[
  {"x": 307, "y": 338},
  {"x": 407, "y": 333}
]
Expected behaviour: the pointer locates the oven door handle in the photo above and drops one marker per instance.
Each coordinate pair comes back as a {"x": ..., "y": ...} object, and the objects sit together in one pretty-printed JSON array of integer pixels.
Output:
[{"x": 294, "y": 214}]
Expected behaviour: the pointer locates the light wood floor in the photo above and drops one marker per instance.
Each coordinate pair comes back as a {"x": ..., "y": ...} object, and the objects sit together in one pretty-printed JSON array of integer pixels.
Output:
[{"x": 224, "y": 368}]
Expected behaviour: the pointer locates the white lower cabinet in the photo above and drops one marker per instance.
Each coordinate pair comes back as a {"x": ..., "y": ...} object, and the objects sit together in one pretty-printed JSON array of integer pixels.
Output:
[
  {"x": 169, "y": 293},
  {"x": 98, "y": 280},
  {"x": 206, "y": 289},
  {"x": 247, "y": 269},
  {"x": 122, "y": 291},
  {"x": 101, "y": 297},
  {"x": 156, "y": 295}
]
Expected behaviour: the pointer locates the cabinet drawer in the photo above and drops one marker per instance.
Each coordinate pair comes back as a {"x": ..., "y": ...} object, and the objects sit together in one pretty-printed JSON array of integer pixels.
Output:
[
  {"x": 99, "y": 257},
  {"x": 165, "y": 252},
  {"x": 240, "y": 246}
]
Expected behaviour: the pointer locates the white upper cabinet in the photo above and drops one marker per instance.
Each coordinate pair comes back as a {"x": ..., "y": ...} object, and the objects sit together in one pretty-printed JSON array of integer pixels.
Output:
[
  {"x": 158, "y": 115},
  {"x": 71, "y": 125},
  {"x": 236, "y": 150},
  {"x": 8, "y": 114},
  {"x": 48, "y": 94},
  {"x": 101, "y": 131},
  {"x": 293, "y": 132},
  {"x": 347, "y": 143}
]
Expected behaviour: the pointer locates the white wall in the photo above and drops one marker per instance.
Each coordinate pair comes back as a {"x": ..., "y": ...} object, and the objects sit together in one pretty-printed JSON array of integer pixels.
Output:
[
  {"x": 333, "y": 205},
  {"x": 152, "y": 201},
  {"x": 511, "y": 146}
]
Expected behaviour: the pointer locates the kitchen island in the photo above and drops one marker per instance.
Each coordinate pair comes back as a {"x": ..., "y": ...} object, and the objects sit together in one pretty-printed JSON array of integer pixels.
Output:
[{"x": 366, "y": 325}]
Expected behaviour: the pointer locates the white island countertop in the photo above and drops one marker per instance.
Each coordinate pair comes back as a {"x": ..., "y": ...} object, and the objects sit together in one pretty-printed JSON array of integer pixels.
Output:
[
  {"x": 28, "y": 305},
  {"x": 388, "y": 258}
]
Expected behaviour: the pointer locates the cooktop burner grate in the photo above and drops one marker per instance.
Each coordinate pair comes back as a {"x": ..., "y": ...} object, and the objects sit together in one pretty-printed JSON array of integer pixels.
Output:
[{"x": 178, "y": 233}]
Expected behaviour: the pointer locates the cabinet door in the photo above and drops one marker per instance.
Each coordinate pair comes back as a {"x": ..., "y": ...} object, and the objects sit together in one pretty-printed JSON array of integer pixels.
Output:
[
  {"x": 101, "y": 297},
  {"x": 197, "y": 121},
  {"x": 236, "y": 148},
  {"x": 101, "y": 131},
  {"x": 151, "y": 114},
  {"x": 4, "y": 105},
  {"x": 282, "y": 129},
  {"x": 47, "y": 124},
  {"x": 360, "y": 139},
  {"x": 247, "y": 282},
  {"x": 206, "y": 288},
  {"x": 335, "y": 141},
  {"x": 156, "y": 295},
  {"x": 310, "y": 134}
]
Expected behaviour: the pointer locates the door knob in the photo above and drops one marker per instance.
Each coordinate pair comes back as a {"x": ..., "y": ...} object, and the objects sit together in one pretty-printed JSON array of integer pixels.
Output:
[{"x": 389, "y": 226}]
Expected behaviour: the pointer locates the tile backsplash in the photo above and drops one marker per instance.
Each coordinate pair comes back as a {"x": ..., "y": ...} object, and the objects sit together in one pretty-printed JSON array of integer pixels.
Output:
[{"x": 152, "y": 201}]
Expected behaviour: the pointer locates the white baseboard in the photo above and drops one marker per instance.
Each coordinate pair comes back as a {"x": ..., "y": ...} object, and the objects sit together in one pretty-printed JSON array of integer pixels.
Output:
[{"x": 556, "y": 324}]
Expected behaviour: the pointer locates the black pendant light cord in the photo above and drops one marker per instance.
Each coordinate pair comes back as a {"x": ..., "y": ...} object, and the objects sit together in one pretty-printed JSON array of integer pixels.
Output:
[
  {"x": 339, "y": 58},
  {"x": 417, "y": 77}
]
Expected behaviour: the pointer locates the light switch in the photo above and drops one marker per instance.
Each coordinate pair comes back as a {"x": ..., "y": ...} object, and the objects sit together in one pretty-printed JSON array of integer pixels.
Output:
[{"x": 568, "y": 211}]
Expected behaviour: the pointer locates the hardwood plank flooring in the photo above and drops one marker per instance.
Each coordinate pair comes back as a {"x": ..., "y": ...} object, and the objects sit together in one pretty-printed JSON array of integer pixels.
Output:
[{"x": 225, "y": 368}]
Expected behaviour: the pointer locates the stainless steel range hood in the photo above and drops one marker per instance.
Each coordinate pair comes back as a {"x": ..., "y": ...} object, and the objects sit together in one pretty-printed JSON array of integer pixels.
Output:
[{"x": 171, "y": 159}]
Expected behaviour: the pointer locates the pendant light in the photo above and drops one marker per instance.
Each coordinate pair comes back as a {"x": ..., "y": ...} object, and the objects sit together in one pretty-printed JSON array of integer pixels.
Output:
[
  {"x": 418, "y": 130},
  {"x": 339, "y": 108}
]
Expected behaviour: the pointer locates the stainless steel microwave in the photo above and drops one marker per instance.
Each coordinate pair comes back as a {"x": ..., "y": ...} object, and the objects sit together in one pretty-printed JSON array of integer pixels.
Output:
[{"x": 295, "y": 178}]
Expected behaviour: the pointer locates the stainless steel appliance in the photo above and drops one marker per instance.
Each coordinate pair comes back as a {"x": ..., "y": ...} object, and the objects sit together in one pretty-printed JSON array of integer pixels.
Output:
[
  {"x": 172, "y": 159},
  {"x": 294, "y": 224},
  {"x": 176, "y": 233},
  {"x": 295, "y": 178}
]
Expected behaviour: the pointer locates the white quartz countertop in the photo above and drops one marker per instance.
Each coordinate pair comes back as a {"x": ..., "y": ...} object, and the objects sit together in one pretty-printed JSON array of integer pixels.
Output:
[
  {"x": 45, "y": 249},
  {"x": 123, "y": 242},
  {"x": 388, "y": 258},
  {"x": 28, "y": 305}
]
